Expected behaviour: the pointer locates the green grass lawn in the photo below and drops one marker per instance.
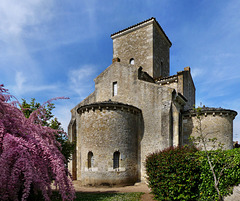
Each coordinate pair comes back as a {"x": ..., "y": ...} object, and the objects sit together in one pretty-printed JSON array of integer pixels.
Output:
[{"x": 103, "y": 196}]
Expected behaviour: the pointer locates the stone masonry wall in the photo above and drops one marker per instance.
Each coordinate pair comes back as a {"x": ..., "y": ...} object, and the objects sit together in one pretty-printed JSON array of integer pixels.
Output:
[
  {"x": 155, "y": 102},
  {"x": 147, "y": 45},
  {"x": 186, "y": 87},
  {"x": 182, "y": 83},
  {"x": 215, "y": 124},
  {"x": 160, "y": 54},
  {"x": 138, "y": 45},
  {"x": 73, "y": 132},
  {"x": 104, "y": 130}
]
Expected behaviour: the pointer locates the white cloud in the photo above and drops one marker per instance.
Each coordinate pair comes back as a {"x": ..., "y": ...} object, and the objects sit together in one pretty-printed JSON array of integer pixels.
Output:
[
  {"x": 23, "y": 85},
  {"x": 81, "y": 80},
  {"x": 197, "y": 72},
  {"x": 19, "y": 21},
  {"x": 19, "y": 14},
  {"x": 20, "y": 80},
  {"x": 78, "y": 75}
]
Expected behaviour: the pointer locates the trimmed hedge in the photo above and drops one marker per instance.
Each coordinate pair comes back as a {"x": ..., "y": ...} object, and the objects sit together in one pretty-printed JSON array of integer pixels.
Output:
[
  {"x": 183, "y": 173},
  {"x": 174, "y": 174}
]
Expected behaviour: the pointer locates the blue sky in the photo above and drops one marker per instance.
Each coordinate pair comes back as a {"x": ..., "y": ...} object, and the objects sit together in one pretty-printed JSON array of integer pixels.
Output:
[{"x": 51, "y": 48}]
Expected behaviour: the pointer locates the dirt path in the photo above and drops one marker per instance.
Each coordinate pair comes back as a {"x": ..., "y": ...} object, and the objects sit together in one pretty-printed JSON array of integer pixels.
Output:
[{"x": 138, "y": 187}]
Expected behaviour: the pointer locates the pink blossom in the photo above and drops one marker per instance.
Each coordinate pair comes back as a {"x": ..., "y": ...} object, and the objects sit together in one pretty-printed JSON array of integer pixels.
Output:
[{"x": 29, "y": 155}]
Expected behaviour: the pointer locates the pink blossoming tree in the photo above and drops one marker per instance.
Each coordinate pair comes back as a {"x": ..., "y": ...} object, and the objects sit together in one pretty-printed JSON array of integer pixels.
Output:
[{"x": 29, "y": 156}]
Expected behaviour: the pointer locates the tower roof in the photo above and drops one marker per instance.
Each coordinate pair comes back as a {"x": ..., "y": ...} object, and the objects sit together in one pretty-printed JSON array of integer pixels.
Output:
[{"x": 138, "y": 25}]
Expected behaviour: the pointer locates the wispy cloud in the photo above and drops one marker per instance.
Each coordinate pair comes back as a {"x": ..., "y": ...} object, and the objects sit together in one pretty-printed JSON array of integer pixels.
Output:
[
  {"x": 20, "y": 80},
  {"x": 21, "y": 21},
  {"x": 26, "y": 90},
  {"x": 197, "y": 72},
  {"x": 24, "y": 86},
  {"x": 19, "y": 15},
  {"x": 81, "y": 80}
]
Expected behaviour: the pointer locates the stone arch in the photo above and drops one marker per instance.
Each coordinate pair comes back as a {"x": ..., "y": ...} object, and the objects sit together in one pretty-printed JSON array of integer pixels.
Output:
[
  {"x": 131, "y": 61},
  {"x": 90, "y": 159}
]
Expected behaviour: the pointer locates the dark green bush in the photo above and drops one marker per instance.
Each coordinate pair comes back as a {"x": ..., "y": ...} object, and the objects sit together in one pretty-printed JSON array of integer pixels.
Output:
[
  {"x": 183, "y": 173},
  {"x": 174, "y": 174}
]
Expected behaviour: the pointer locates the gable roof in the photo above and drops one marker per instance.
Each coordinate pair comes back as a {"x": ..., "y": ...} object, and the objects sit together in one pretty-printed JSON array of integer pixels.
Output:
[{"x": 141, "y": 23}]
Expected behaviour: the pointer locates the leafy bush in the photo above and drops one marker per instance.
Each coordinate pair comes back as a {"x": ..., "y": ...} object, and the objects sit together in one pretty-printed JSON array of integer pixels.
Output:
[
  {"x": 174, "y": 174},
  {"x": 227, "y": 169},
  {"x": 183, "y": 173}
]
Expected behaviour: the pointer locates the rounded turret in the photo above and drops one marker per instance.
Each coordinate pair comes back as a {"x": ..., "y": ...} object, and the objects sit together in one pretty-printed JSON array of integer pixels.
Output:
[
  {"x": 215, "y": 124},
  {"x": 108, "y": 143}
]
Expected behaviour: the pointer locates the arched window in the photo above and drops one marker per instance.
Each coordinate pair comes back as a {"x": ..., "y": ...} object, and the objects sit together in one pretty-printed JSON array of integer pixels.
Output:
[
  {"x": 115, "y": 88},
  {"x": 131, "y": 61},
  {"x": 116, "y": 157},
  {"x": 90, "y": 159}
]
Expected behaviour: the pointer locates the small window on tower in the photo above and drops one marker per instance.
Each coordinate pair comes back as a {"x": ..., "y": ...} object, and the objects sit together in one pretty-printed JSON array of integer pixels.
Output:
[
  {"x": 90, "y": 159},
  {"x": 116, "y": 157},
  {"x": 115, "y": 88},
  {"x": 131, "y": 61}
]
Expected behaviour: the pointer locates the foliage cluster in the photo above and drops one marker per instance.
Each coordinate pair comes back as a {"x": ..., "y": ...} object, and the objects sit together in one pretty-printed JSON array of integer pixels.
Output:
[
  {"x": 227, "y": 169},
  {"x": 48, "y": 119},
  {"x": 183, "y": 173},
  {"x": 173, "y": 174},
  {"x": 30, "y": 158}
]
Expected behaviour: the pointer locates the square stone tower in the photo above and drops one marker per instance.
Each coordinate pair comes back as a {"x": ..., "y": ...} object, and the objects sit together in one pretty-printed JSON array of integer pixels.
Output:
[{"x": 144, "y": 44}]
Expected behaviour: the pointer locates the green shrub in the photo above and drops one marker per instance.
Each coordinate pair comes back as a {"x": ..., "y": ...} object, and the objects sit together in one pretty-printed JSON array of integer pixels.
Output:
[
  {"x": 183, "y": 173},
  {"x": 226, "y": 167},
  {"x": 174, "y": 174}
]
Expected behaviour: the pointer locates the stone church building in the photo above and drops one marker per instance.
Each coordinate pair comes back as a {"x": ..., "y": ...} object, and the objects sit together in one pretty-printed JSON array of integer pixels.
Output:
[{"x": 136, "y": 109}]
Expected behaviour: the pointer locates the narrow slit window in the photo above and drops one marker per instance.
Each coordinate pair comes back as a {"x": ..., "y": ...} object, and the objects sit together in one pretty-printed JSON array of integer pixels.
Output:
[
  {"x": 115, "y": 88},
  {"x": 90, "y": 159},
  {"x": 116, "y": 157}
]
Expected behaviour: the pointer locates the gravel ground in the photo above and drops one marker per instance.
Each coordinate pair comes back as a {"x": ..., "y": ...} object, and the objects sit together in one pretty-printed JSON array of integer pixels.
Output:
[{"x": 138, "y": 187}]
